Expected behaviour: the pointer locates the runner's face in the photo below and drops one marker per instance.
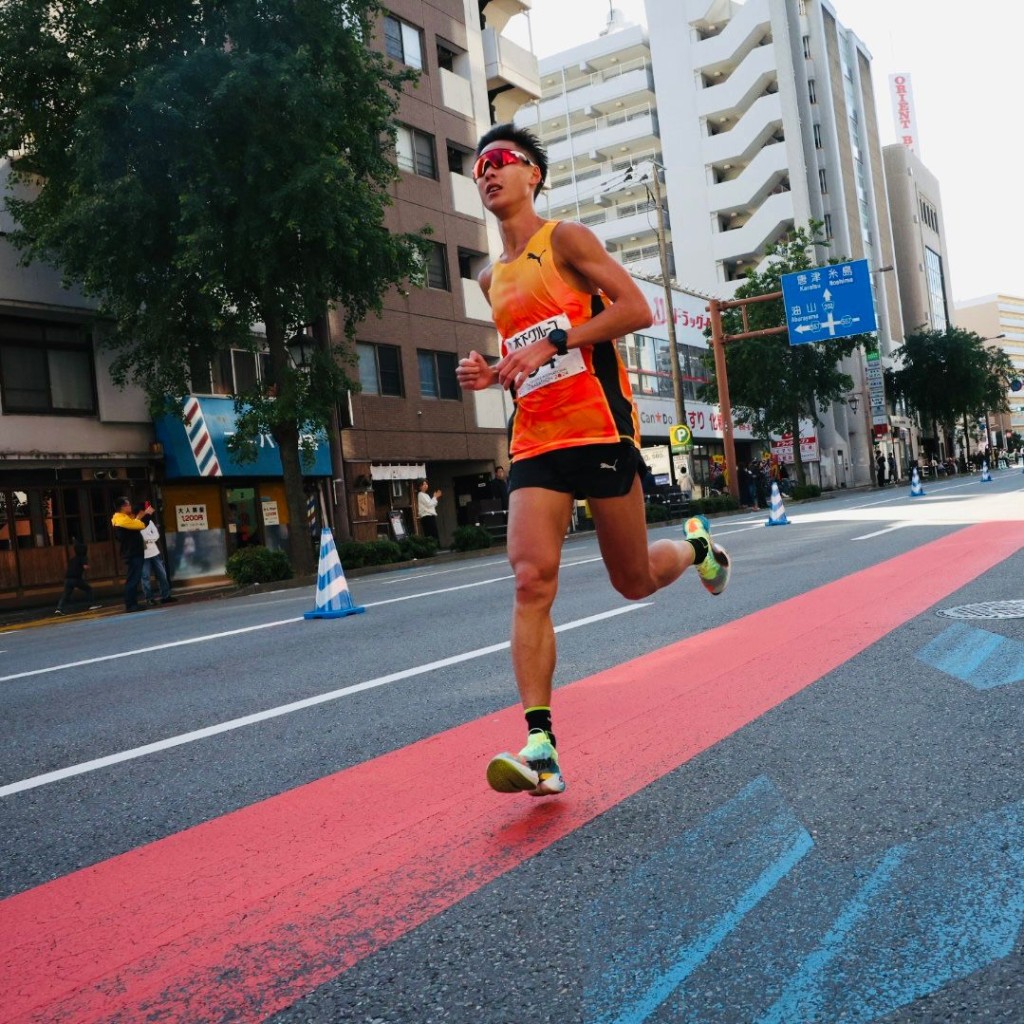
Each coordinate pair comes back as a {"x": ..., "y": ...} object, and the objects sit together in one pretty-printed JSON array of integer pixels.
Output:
[{"x": 511, "y": 182}]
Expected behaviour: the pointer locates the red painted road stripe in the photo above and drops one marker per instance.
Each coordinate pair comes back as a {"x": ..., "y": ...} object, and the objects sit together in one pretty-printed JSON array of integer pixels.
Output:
[{"x": 239, "y": 917}]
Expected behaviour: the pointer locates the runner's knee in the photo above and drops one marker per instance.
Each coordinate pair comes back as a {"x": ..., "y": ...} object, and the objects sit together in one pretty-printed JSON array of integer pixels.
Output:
[{"x": 536, "y": 584}]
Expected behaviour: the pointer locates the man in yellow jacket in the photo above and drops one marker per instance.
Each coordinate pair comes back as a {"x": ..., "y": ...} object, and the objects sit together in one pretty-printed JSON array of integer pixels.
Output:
[{"x": 128, "y": 531}]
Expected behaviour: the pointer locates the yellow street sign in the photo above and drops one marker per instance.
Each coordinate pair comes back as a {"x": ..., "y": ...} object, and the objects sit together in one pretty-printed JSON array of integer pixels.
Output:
[{"x": 680, "y": 435}]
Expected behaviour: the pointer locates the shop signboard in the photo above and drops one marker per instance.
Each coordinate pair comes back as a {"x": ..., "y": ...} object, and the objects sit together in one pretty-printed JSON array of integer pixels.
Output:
[
  {"x": 782, "y": 448},
  {"x": 271, "y": 517},
  {"x": 196, "y": 443},
  {"x": 190, "y": 518}
]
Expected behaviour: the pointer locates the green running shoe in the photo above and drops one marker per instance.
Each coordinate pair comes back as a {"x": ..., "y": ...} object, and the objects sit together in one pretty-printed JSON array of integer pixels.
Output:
[
  {"x": 533, "y": 770},
  {"x": 715, "y": 569}
]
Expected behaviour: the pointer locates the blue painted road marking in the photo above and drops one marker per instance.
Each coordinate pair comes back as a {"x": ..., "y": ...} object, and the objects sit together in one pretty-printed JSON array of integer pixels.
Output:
[
  {"x": 662, "y": 923},
  {"x": 975, "y": 656},
  {"x": 695, "y": 936}
]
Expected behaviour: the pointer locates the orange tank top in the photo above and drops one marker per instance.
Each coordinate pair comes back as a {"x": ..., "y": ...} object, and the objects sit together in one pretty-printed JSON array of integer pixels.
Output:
[{"x": 580, "y": 398}]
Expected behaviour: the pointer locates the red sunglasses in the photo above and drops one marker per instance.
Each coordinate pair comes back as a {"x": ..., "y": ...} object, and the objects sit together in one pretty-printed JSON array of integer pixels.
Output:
[{"x": 498, "y": 158}]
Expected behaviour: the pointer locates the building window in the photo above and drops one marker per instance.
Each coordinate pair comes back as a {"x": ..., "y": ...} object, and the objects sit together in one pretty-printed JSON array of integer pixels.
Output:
[
  {"x": 828, "y": 226},
  {"x": 936, "y": 290},
  {"x": 458, "y": 159},
  {"x": 807, "y": 47},
  {"x": 437, "y": 375},
  {"x": 46, "y": 368},
  {"x": 436, "y": 267},
  {"x": 415, "y": 151},
  {"x": 812, "y": 90},
  {"x": 471, "y": 263},
  {"x": 237, "y": 371},
  {"x": 817, "y": 136},
  {"x": 446, "y": 57},
  {"x": 403, "y": 42},
  {"x": 380, "y": 369},
  {"x": 650, "y": 369},
  {"x": 823, "y": 181}
]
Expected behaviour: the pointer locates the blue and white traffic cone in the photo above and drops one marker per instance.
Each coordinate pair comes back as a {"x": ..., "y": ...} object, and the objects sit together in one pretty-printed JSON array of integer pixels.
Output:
[
  {"x": 777, "y": 513},
  {"x": 333, "y": 601},
  {"x": 986, "y": 476},
  {"x": 916, "y": 490}
]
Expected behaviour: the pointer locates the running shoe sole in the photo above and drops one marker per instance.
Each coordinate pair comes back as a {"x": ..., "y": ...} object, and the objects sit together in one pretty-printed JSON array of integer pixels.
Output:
[{"x": 507, "y": 774}]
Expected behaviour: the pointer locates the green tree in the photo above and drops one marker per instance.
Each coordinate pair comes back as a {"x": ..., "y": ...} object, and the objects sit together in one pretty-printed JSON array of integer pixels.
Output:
[
  {"x": 202, "y": 166},
  {"x": 773, "y": 384},
  {"x": 943, "y": 375}
]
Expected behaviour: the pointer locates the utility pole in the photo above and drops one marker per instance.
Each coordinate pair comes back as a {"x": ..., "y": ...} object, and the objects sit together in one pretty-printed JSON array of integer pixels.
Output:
[{"x": 670, "y": 314}]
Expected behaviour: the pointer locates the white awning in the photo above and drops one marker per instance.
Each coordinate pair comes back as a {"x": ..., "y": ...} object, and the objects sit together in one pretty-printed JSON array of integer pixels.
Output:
[{"x": 398, "y": 471}]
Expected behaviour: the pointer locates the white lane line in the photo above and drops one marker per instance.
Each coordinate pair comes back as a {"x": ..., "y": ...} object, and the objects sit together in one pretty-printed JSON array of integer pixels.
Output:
[
  {"x": 284, "y": 709},
  {"x": 888, "y": 529},
  {"x": 145, "y": 650}
]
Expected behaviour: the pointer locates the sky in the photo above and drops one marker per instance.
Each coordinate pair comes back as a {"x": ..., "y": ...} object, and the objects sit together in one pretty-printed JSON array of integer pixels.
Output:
[{"x": 964, "y": 60}]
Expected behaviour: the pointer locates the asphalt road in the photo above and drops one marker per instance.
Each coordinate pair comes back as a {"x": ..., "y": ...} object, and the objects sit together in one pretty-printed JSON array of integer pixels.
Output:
[{"x": 800, "y": 801}]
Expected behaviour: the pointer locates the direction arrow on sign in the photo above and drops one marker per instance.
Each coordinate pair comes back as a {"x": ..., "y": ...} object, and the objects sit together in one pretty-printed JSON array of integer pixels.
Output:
[{"x": 829, "y": 302}]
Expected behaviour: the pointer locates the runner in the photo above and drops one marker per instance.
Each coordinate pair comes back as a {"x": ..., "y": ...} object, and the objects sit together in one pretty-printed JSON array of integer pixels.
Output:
[{"x": 559, "y": 301}]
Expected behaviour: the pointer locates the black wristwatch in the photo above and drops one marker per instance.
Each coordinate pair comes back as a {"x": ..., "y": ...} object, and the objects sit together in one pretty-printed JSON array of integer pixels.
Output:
[{"x": 560, "y": 340}]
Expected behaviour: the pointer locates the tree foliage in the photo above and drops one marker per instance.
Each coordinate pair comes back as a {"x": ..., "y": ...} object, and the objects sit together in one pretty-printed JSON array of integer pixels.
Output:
[
  {"x": 949, "y": 374},
  {"x": 203, "y": 166},
  {"x": 772, "y": 384}
]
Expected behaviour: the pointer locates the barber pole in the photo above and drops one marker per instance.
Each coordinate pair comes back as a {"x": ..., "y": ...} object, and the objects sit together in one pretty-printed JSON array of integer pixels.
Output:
[{"x": 199, "y": 438}]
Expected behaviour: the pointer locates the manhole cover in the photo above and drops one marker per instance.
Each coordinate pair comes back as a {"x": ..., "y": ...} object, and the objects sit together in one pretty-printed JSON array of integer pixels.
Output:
[{"x": 986, "y": 610}]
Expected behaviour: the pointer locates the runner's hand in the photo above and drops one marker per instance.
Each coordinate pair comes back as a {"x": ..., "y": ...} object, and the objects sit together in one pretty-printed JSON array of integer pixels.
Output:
[
  {"x": 473, "y": 373},
  {"x": 518, "y": 365}
]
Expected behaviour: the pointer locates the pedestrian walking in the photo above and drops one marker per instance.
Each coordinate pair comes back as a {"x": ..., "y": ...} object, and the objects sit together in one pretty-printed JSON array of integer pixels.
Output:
[
  {"x": 128, "y": 529},
  {"x": 880, "y": 469},
  {"x": 74, "y": 579},
  {"x": 559, "y": 301},
  {"x": 154, "y": 565}
]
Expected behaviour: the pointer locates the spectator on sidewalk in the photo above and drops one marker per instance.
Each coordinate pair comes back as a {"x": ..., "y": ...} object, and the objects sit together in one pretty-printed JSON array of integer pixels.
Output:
[
  {"x": 128, "y": 531},
  {"x": 426, "y": 507},
  {"x": 154, "y": 563},
  {"x": 74, "y": 579}
]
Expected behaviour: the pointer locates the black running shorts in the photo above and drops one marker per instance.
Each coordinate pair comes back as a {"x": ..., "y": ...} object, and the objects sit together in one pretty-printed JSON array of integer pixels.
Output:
[{"x": 586, "y": 471}]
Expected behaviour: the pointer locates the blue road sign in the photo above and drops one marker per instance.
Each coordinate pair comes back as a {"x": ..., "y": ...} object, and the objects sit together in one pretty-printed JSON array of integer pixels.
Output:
[{"x": 829, "y": 302}]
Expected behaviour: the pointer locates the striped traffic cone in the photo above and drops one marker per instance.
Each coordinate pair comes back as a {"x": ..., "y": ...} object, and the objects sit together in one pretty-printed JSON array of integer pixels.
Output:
[
  {"x": 777, "y": 512},
  {"x": 916, "y": 490},
  {"x": 986, "y": 476},
  {"x": 333, "y": 601}
]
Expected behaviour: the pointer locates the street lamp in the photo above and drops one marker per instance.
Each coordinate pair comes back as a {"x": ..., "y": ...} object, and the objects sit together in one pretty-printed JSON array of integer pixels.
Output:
[{"x": 300, "y": 348}]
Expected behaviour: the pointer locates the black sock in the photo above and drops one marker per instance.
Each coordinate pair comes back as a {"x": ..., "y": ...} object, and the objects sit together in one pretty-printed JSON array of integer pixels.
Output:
[
  {"x": 539, "y": 720},
  {"x": 700, "y": 549}
]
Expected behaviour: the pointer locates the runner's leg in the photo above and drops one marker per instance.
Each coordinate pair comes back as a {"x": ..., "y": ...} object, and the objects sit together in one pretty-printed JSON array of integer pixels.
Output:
[
  {"x": 636, "y": 569},
  {"x": 538, "y": 519}
]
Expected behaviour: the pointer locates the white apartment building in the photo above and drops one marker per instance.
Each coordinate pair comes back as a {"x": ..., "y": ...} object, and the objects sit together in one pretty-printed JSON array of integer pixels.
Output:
[
  {"x": 1000, "y": 318},
  {"x": 597, "y": 117},
  {"x": 768, "y": 120}
]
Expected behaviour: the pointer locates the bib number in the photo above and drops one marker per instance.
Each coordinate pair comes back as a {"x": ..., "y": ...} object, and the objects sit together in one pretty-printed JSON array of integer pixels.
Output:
[{"x": 557, "y": 367}]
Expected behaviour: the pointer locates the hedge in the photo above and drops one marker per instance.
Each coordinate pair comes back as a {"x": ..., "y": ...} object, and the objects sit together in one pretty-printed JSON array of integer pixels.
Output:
[{"x": 258, "y": 565}]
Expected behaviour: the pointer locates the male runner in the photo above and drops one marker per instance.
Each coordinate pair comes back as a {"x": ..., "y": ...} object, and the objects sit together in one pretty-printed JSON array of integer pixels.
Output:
[{"x": 559, "y": 301}]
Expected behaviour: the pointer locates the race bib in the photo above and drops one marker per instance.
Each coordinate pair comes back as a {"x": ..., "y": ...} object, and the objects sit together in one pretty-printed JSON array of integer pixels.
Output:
[{"x": 557, "y": 367}]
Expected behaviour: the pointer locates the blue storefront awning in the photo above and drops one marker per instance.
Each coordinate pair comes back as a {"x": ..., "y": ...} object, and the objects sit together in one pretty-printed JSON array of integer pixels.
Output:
[{"x": 196, "y": 444}]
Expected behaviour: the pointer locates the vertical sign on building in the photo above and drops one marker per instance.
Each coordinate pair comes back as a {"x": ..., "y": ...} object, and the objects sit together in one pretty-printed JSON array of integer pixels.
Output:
[{"x": 903, "y": 111}]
